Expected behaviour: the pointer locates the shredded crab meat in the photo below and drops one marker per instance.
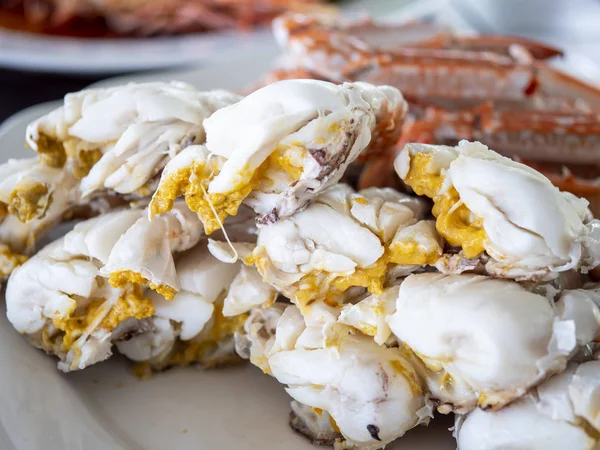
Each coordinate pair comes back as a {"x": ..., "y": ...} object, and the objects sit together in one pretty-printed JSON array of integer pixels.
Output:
[
  {"x": 488, "y": 341},
  {"x": 63, "y": 300},
  {"x": 342, "y": 240},
  {"x": 474, "y": 190},
  {"x": 560, "y": 413},
  {"x": 294, "y": 139}
]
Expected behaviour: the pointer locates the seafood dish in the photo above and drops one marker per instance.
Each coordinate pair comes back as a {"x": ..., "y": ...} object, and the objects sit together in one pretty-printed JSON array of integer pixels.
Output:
[
  {"x": 383, "y": 272},
  {"x": 498, "y": 90},
  {"x": 114, "y": 18}
]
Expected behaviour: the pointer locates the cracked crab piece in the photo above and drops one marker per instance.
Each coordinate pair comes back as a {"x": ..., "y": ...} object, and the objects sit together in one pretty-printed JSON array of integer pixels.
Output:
[
  {"x": 369, "y": 315},
  {"x": 9, "y": 261},
  {"x": 293, "y": 139},
  {"x": 342, "y": 240},
  {"x": 371, "y": 392},
  {"x": 488, "y": 341},
  {"x": 62, "y": 300},
  {"x": 64, "y": 307},
  {"x": 475, "y": 192},
  {"x": 194, "y": 327},
  {"x": 120, "y": 138},
  {"x": 33, "y": 198},
  {"x": 561, "y": 413},
  {"x": 152, "y": 263}
]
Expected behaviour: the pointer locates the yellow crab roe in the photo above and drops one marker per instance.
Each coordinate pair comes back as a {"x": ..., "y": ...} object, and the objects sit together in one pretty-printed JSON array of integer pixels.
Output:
[
  {"x": 192, "y": 182},
  {"x": 412, "y": 253},
  {"x": 83, "y": 159},
  {"x": 328, "y": 286},
  {"x": 52, "y": 152},
  {"x": 131, "y": 304},
  {"x": 408, "y": 373},
  {"x": 9, "y": 260},
  {"x": 202, "y": 348},
  {"x": 29, "y": 200},
  {"x": 123, "y": 278},
  {"x": 454, "y": 222}
]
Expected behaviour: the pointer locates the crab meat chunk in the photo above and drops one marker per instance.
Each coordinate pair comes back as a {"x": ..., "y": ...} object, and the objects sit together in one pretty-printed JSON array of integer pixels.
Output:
[
  {"x": 343, "y": 240},
  {"x": 292, "y": 139},
  {"x": 484, "y": 202},
  {"x": 561, "y": 413},
  {"x": 63, "y": 299},
  {"x": 487, "y": 341},
  {"x": 193, "y": 327},
  {"x": 372, "y": 393}
]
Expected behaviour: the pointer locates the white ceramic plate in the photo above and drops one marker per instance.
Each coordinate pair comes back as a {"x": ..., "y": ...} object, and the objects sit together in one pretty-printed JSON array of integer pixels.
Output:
[
  {"x": 106, "y": 408},
  {"x": 26, "y": 51}
]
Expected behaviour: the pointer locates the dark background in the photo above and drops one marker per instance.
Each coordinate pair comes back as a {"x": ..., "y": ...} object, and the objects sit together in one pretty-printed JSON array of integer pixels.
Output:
[{"x": 19, "y": 90}]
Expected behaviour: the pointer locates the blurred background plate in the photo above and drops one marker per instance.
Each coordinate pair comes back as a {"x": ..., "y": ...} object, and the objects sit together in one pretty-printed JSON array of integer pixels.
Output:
[{"x": 56, "y": 54}]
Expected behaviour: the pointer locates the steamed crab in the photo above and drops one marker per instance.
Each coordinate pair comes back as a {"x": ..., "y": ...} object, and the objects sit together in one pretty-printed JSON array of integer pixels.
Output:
[
  {"x": 560, "y": 413},
  {"x": 371, "y": 393},
  {"x": 474, "y": 191},
  {"x": 495, "y": 89},
  {"x": 294, "y": 139},
  {"x": 85, "y": 290},
  {"x": 162, "y": 16},
  {"x": 489, "y": 340},
  {"x": 198, "y": 324},
  {"x": 102, "y": 148},
  {"x": 343, "y": 240}
]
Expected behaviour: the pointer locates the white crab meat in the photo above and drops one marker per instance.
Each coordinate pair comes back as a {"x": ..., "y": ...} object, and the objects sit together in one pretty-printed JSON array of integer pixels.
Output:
[
  {"x": 33, "y": 198},
  {"x": 560, "y": 413},
  {"x": 118, "y": 138},
  {"x": 370, "y": 314},
  {"x": 486, "y": 341},
  {"x": 62, "y": 301},
  {"x": 475, "y": 191},
  {"x": 193, "y": 327},
  {"x": 371, "y": 392},
  {"x": 292, "y": 139},
  {"x": 153, "y": 263},
  {"x": 342, "y": 240},
  {"x": 101, "y": 142}
]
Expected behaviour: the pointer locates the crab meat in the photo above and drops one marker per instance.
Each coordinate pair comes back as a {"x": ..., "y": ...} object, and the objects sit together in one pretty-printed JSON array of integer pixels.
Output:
[
  {"x": 102, "y": 148},
  {"x": 294, "y": 138},
  {"x": 194, "y": 327},
  {"x": 369, "y": 315},
  {"x": 474, "y": 191},
  {"x": 372, "y": 393},
  {"x": 489, "y": 340},
  {"x": 343, "y": 240},
  {"x": 561, "y": 413},
  {"x": 119, "y": 138},
  {"x": 63, "y": 303}
]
